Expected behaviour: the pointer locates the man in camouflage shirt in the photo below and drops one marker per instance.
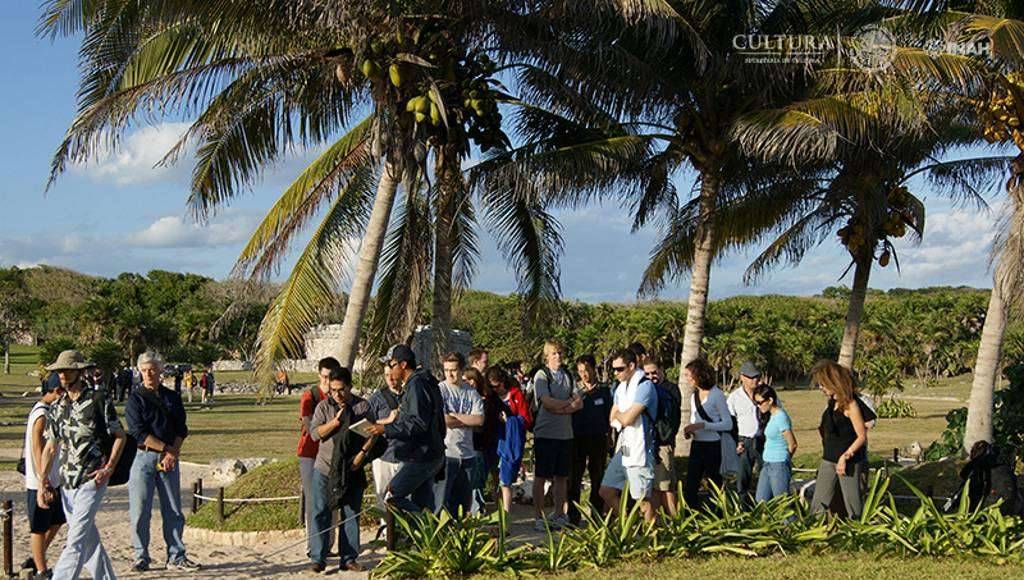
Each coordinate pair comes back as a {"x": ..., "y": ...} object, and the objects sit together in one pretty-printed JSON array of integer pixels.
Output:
[{"x": 74, "y": 425}]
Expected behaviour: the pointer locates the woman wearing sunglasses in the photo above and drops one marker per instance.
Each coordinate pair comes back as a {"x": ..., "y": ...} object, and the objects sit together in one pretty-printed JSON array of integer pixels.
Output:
[{"x": 779, "y": 445}]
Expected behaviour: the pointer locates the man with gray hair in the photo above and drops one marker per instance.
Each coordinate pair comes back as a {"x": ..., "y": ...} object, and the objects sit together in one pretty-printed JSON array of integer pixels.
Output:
[
  {"x": 156, "y": 419},
  {"x": 749, "y": 429}
]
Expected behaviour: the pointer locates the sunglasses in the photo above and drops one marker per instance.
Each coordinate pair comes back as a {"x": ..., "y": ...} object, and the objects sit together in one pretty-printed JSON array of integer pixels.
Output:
[
  {"x": 619, "y": 369},
  {"x": 762, "y": 402}
]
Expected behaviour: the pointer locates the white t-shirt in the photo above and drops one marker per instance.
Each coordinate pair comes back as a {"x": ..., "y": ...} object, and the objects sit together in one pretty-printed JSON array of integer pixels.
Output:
[
  {"x": 743, "y": 408},
  {"x": 31, "y": 481}
]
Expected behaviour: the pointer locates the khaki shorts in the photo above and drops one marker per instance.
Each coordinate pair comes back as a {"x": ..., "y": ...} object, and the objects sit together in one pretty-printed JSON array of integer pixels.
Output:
[{"x": 664, "y": 475}]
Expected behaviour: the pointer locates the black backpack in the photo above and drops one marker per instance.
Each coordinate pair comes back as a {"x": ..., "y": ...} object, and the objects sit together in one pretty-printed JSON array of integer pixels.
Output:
[
  {"x": 123, "y": 469},
  {"x": 666, "y": 423}
]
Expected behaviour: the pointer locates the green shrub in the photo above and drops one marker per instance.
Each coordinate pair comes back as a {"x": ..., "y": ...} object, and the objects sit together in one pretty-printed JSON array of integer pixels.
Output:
[{"x": 894, "y": 408}]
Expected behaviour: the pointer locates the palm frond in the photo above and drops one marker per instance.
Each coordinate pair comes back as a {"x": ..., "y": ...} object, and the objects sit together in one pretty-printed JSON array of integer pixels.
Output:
[
  {"x": 314, "y": 282},
  {"x": 340, "y": 170}
]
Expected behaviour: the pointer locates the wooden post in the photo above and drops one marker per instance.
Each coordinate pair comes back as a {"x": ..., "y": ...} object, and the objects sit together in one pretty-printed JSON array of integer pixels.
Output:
[
  {"x": 895, "y": 454},
  {"x": 220, "y": 504},
  {"x": 8, "y": 519},
  {"x": 199, "y": 488},
  {"x": 389, "y": 522},
  {"x": 302, "y": 508},
  {"x": 195, "y": 500}
]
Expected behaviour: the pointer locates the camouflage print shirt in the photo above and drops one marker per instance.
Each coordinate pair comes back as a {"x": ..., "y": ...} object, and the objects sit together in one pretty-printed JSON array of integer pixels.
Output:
[{"x": 76, "y": 426}]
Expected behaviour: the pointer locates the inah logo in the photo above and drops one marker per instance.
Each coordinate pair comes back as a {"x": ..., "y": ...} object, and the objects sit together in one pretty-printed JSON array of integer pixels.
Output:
[{"x": 873, "y": 49}]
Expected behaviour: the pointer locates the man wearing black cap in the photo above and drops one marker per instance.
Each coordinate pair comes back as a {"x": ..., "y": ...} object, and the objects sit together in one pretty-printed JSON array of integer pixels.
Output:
[
  {"x": 418, "y": 431},
  {"x": 748, "y": 428}
]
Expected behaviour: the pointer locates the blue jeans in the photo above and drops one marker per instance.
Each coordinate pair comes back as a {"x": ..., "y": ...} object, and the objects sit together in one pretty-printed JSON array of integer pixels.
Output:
[
  {"x": 458, "y": 484},
  {"x": 412, "y": 487},
  {"x": 143, "y": 480},
  {"x": 321, "y": 517},
  {"x": 84, "y": 549},
  {"x": 774, "y": 480}
]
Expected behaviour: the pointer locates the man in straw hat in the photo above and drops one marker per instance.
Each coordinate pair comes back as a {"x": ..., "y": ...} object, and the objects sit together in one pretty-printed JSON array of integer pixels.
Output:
[{"x": 75, "y": 427}]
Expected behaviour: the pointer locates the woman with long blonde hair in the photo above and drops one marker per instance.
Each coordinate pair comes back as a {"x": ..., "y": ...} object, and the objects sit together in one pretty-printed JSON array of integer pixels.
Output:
[{"x": 844, "y": 438}]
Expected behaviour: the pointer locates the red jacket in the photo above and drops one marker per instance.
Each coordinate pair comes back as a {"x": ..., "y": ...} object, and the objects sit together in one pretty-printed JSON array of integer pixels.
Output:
[{"x": 517, "y": 402}]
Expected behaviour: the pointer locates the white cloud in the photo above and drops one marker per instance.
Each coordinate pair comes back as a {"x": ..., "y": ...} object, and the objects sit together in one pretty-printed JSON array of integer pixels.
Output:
[
  {"x": 231, "y": 227},
  {"x": 136, "y": 159}
]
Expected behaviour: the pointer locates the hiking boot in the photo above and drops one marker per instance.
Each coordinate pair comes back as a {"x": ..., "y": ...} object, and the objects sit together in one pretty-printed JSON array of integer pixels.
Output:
[
  {"x": 184, "y": 565},
  {"x": 140, "y": 566}
]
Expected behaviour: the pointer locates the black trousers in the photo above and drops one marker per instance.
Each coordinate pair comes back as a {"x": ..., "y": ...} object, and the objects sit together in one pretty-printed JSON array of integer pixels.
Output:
[
  {"x": 705, "y": 461},
  {"x": 590, "y": 452}
]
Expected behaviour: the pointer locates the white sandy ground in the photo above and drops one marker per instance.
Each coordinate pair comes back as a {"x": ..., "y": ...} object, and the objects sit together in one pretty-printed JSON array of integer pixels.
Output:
[{"x": 222, "y": 562}]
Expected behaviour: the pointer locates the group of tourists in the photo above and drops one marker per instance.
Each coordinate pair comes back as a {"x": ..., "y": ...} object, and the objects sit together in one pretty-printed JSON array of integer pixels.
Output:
[
  {"x": 436, "y": 444},
  {"x": 75, "y": 447}
]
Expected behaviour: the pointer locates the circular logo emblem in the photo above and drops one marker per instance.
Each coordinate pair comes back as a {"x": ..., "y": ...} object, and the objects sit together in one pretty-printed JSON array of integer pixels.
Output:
[{"x": 873, "y": 49}]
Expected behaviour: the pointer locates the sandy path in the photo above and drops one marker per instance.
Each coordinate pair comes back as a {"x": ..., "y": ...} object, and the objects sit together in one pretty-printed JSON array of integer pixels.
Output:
[{"x": 223, "y": 562}]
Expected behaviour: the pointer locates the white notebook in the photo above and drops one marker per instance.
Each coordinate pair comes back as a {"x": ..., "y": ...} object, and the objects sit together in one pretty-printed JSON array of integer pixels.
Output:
[{"x": 361, "y": 427}]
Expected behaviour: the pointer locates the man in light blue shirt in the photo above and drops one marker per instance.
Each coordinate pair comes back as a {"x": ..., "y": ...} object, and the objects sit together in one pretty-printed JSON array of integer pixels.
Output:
[{"x": 636, "y": 403}]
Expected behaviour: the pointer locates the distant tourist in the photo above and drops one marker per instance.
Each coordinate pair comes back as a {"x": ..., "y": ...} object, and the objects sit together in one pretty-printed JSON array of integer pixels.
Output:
[
  {"x": 844, "y": 437},
  {"x": 779, "y": 446},
  {"x": 748, "y": 428},
  {"x": 666, "y": 483},
  {"x": 419, "y": 432},
  {"x": 516, "y": 420},
  {"x": 556, "y": 400},
  {"x": 178, "y": 380},
  {"x": 308, "y": 445},
  {"x": 190, "y": 383},
  {"x": 282, "y": 384},
  {"x": 383, "y": 410},
  {"x": 339, "y": 474},
  {"x": 77, "y": 425},
  {"x": 636, "y": 401},
  {"x": 591, "y": 438},
  {"x": 156, "y": 419},
  {"x": 709, "y": 417},
  {"x": 208, "y": 382},
  {"x": 464, "y": 411},
  {"x": 478, "y": 359},
  {"x": 43, "y": 522}
]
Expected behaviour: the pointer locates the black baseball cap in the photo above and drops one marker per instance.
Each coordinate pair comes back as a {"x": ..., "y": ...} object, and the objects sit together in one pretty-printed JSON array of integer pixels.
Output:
[{"x": 399, "y": 353}]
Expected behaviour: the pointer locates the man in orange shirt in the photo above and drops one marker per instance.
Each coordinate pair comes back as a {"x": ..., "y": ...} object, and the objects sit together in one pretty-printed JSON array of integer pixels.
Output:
[{"x": 307, "y": 446}]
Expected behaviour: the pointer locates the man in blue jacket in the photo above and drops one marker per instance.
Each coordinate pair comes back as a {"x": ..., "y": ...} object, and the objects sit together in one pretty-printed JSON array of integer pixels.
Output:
[{"x": 418, "y": 432}]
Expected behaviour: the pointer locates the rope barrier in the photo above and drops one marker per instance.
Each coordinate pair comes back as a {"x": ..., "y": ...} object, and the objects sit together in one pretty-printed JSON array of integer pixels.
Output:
[{"x": 248, "y": 500}]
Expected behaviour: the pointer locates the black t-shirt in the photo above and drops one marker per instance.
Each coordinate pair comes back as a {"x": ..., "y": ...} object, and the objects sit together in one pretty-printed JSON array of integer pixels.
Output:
[{"x": 592, "y": 419}]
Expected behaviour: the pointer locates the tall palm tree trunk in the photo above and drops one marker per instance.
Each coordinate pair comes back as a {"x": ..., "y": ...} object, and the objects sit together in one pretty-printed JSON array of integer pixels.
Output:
[
  {"x": 986, "y": 370},
  {"x": 700, "y": 278},
  {"x": 855, "y": 310},
  {"x": 369, "y": 258},
  {"x": 448, "y": 181}
]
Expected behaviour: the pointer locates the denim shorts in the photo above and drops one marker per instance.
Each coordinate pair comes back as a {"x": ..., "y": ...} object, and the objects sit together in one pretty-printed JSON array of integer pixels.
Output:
[{"x": 641, "y": 479}]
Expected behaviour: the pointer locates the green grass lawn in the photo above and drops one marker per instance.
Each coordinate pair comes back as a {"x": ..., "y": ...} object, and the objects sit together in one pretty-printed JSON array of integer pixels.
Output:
[{"x": 804, "y": 567}]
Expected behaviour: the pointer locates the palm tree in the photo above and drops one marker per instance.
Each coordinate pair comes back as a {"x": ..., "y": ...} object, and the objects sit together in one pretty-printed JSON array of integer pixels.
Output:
[{"x": 680, "y": 105}]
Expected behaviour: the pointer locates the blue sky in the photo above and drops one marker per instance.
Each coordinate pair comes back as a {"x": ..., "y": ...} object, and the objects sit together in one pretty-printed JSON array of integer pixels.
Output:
[{"x": 121, "y": 214}]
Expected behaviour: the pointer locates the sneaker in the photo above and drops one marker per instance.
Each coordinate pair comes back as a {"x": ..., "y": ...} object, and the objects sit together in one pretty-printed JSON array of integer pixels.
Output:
[
  {"x": 140, "y": 566},
  {"x": 44, "y": 575},
  {"x": 381, "y": 533},
  {"x": 29, "y": 564},
  {"x": 184, "y": 565},
  {"x": 317, "y": 567},
  {"x": 538, "y": 525},
  {"x": 560, "y": 522}
]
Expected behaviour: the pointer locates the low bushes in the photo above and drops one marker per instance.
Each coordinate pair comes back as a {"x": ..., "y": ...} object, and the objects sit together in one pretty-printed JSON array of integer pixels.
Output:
[{"x": 441, "y": 546}]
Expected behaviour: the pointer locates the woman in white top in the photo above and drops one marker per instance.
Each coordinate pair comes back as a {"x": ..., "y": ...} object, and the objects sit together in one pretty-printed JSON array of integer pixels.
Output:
[{"x": 709, "y": 417}]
